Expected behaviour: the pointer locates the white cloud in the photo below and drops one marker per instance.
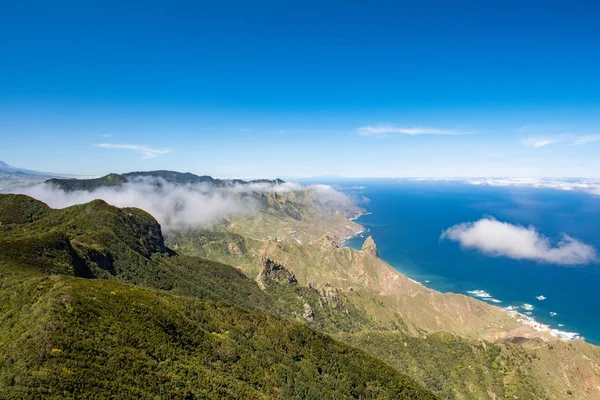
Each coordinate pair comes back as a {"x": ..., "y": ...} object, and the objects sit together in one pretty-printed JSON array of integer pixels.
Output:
[
  {"x": 147, "y": 152},
  {"x": 107, "y": 135},
  {"x": 565, "y": 138},
  {"x": 495, "y": 238},
  {"x": 586, "y": 139},
  {"x": 539, "y": 142},
  {"x": 529, "y": 128},
  {"x": 587, "y": 185},
  {"x": 175, "y": 207},
  {"x": 178, "y": 207},
  {"x": 388, "y": 130}
]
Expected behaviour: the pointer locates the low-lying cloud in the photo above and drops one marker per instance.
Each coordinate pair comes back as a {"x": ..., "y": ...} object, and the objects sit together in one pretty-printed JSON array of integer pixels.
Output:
[
  {"x": 495, "y": 238},
  {"x": 586, "y": 185},
  {"x": 178, "y": 207}
]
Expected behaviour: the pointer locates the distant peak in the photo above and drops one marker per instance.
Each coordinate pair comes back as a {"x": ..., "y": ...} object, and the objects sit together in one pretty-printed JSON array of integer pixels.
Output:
[
  {"x": 3, "y": 164},
  {"x": 370, "y": 247}
]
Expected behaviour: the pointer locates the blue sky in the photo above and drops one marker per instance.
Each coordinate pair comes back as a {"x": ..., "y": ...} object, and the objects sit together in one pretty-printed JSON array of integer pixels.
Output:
[{"x": 301, "y": 88}]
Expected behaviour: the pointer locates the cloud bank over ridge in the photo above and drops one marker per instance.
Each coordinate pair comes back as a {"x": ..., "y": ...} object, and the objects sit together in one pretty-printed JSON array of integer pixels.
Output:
[{"x": 179, "y": 207}]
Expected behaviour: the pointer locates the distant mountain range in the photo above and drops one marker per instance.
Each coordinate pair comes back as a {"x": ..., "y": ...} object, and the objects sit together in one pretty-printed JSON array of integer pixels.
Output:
[
  {"x": 12, "y": 177},
  {"x": 9, "y": 169},
  {"x": 16, "y": 177},
  {"x": 168, "y": 176}
]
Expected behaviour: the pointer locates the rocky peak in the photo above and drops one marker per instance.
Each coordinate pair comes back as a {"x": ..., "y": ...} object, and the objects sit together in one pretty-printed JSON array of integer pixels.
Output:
[{"x": 370, "y": 247}]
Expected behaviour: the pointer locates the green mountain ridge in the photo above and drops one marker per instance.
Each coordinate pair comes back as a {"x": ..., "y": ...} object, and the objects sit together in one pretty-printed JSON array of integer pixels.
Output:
[
  {"x": 288, "y": 270},
  {"x": 67, "y": 337},
  {"x": 174, "y": 177}
]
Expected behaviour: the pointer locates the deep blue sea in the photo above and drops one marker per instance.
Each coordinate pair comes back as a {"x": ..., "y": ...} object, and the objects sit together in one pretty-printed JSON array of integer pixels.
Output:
[{"x": 407, "y": 217}]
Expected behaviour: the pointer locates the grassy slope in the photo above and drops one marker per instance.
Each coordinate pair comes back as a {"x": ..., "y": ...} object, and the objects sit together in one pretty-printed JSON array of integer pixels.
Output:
[
  {"x": 64, "y": 336},
  {"x": 451, "y": 366},
  {"x": 385, "y": 310}
]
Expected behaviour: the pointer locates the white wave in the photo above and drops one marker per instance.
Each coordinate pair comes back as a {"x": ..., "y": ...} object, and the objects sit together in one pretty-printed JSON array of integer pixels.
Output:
[
  {"x": 417, "y": 282},
  {"x": 531, "y": 322},
  {"x": 357, "y": 216},
  {"x": 483, "y": 295},
  {"x": 553, "y": 314},
  {"x": 527, "y": 307},
  {"x": 479, "y": 293},
  {"x": 541, "y": 298},
  {"x": 357, "y": 234}
]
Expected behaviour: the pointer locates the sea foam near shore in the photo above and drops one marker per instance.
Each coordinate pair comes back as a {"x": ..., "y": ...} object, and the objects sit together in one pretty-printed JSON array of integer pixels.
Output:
[{"x": 526, "y": 318}]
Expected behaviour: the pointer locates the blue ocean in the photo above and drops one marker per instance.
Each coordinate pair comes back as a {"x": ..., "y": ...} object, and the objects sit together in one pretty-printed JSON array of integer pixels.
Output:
[{"x": 406, "y": 219}]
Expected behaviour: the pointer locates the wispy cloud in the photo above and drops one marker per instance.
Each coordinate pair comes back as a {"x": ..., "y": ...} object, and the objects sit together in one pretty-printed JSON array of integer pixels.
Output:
[
  {"x": 147, "y": 152},
  {"x": 586, "y": 185},
  {"x": 570, "y": 139},
  {"x": 390, "y": 130},
  {"x": 539, "y": 142},
  {"x": 495, "y": 238},
  {"x": 586, "y": 139},
  {"x": 529, "y": 128},
  {"x": 107, "y": 135}
]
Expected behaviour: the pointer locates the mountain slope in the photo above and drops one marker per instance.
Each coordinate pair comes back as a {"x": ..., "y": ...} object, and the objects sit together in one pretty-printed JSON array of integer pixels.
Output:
[
  {"x": 70, "y": 337},
  {"x": 349, "y": 294},
  {"x": 9, "y": 169},
  {"x": 399, "y": 320},
  {"x": 65, "y": 336}
]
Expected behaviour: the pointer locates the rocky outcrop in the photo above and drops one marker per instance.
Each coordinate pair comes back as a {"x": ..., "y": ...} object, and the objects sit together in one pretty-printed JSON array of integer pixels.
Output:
[
  {"x": 308, "y": 313},
  {"x": 274, "y": 272},
  {"x": 332, "y": 297},
  {"x": 370, "y": 247}
]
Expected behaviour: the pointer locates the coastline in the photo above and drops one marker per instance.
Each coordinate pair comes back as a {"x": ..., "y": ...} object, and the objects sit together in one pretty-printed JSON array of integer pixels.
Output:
[
  {"x": 482, "y": 295},
  {"x": 356, "y": 234}
]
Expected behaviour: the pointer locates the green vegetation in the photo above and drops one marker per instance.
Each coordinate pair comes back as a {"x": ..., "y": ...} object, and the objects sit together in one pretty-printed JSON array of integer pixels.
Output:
[
  {"x": 434, "y": 338},
  {"x": 453, "y": 367},
  {"x": 63, "y": 336},
  {"x": 69, "y": 185},
  {"x": 174, "y": 177},
  {"x": 16, "y": 209},
  {"x": 165, "y": 325}
]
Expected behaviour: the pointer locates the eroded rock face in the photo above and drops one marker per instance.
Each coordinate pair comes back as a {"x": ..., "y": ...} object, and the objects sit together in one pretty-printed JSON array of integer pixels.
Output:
[
  {"x": 370, "y": 247},
  {"x": 274, "y": 272}
]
